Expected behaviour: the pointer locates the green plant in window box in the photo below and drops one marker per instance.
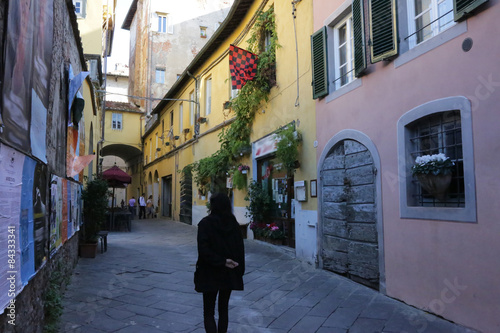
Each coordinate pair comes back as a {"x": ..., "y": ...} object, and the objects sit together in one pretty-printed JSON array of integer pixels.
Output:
[
  {"x": 434, "y": 174},
  {"x": 437, "y": 164}
]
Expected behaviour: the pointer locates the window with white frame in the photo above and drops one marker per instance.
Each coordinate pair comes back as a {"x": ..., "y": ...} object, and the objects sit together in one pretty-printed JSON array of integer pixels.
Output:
[
  {"x": 440, "y": 126},
  {"x": 208, "y": 96},
  {"x": 343, "y": 49},
  {"x": 150, "y": 149},
  {"x": 338, "y": 51},
  {"x": 116, "y": 121},
  {"x": 203, "y": 32},
  {"x": 165, "y": 23},
  {"x": 428, "y": 18},
  {"x": 79, "y": 7},
  {"x": 156, "y": 148},
  {"x": 160, "y": 75},
  {"x": 181, "y": 116},
  {"x": 191, "y": 108}
]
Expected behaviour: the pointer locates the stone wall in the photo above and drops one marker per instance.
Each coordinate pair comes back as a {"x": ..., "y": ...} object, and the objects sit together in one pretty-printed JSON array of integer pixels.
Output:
[
  {"x": 29, "y": 310},
  {"x": 29, "y": 303}
]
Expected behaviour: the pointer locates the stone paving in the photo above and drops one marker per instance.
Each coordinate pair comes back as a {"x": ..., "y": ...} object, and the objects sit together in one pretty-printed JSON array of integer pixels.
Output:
[{"x": 144, "y": 283}]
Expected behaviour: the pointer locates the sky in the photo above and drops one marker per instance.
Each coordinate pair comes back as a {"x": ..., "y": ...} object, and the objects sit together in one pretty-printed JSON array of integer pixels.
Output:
[{"x": 121, "y": 41}]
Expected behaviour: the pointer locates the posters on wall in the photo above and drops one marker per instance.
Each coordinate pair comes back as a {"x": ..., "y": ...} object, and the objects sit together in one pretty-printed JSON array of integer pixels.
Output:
[
  {"x": 74, "y": 207},
  {"x": 42, "y": 68},
  {"x": 11, "y": 168},
  {"x": 17, "y": 77},
  {"x": 65, "y": 212},
  {"x": 25, "y": 90},
  {"x": 55, "y": 213},
  {"x": 26, "y": 222},
  {"x": 40, "y": 215},
  {"x": 75, "y": 161}
]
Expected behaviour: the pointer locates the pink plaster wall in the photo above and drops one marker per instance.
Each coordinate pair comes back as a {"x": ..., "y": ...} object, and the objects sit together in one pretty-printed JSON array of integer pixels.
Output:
[{"x": 423, "y": 258}]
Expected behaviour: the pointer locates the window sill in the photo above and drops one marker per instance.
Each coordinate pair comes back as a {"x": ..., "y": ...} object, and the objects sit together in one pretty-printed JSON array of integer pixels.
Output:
[
  {"x": 431, "y": 44},
  {"x": 344, "y": 90}
]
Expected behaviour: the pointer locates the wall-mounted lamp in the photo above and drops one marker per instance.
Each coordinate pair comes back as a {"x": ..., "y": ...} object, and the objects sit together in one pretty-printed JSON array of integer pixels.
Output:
[
  {"x": 176, "y": 137},
  {"x": 202, "y": 120},
  {"x": 167, "y": 143}
]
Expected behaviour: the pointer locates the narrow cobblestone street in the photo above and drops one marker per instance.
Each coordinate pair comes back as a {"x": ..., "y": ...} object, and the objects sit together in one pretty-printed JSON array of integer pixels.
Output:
[{"x": 144, "y": 283}]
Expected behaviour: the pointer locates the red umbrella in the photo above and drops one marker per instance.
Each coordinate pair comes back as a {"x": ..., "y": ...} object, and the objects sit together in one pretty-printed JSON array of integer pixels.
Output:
[{"x": 116, "y": 177}]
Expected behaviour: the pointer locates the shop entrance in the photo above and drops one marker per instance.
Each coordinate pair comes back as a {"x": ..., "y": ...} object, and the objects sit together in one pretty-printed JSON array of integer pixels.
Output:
[{"x": 274, "y": 177}]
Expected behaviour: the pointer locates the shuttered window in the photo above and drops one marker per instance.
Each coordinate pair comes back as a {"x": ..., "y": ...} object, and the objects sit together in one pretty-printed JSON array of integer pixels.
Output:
[
  {"x": 319, "y": 63},
  {"x": 359, "y": 37},
  {"x": 463, "y": 7},
  {"x": 383, "y": 30}
]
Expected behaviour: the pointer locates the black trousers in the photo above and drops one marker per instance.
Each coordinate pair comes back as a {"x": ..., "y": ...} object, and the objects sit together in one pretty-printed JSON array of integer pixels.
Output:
[
  {"x": 142, "y": 212},
  {"x": 209, "y": 310}
]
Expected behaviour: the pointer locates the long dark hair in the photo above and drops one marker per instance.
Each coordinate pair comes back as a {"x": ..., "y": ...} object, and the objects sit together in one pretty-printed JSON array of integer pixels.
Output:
[{"x": 220, "y": 205}]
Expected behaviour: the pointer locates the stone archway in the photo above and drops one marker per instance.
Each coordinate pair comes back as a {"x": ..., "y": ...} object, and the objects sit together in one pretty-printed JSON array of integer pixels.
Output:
[{"x": 350, "y": 221}]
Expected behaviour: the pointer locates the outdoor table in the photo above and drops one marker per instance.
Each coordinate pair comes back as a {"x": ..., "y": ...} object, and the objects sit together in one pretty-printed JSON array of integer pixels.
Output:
[{"x": 119, "y": 217}]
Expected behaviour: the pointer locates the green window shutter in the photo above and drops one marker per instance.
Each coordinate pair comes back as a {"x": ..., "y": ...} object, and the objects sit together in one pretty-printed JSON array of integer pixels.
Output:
[
  {"x": 319, "y": 63},
  {"x": 383, "y": 30},
  {"x": 463, "y": 7},
  {"x": 359, "y": 37}
]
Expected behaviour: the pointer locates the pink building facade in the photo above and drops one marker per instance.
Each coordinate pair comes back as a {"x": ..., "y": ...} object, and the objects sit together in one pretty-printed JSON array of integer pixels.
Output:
[{"x": 395, "y": 80}]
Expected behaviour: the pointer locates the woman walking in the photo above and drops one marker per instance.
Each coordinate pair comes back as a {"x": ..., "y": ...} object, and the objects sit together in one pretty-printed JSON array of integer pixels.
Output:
[{"x": 221, "y": 261}]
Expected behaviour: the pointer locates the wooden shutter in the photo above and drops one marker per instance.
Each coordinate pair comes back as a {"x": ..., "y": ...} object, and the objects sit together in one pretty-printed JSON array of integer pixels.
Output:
[
  {"x": 383, "y": 30},
  {"x": 319, "y": 63},
  {"x": 463, "y": 7},
  {"x": 358, "y": 27}
]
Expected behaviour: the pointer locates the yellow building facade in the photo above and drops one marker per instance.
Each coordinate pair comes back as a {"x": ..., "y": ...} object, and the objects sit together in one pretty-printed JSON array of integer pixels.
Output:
[{"x": 195, "y": 111}]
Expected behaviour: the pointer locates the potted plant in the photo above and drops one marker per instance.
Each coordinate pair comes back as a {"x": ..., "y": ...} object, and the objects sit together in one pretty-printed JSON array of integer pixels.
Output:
[
  {"x": 434, "y": 174},
  {"x": 243, "y": 169},
  {"x": 239, "y": 179},
  {"x": 259, "y": 207},
  {"x": 95, "y": 203}
]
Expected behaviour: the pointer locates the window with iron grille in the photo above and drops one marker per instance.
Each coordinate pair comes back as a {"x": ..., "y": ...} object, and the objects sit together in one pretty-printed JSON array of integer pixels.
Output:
[
  {"x": 434, "y": 134},
  {"x": 439, "y": 126}
]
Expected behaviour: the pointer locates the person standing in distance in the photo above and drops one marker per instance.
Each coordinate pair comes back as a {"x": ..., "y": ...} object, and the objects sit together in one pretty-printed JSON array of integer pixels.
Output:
[
  {"x": 142, "y": 207},
  {"x": 131, "y": 206},
  {"x": 221, "y": 261}
]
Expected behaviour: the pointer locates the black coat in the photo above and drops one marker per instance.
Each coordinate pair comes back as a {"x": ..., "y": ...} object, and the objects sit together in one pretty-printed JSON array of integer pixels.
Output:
[{"x": 219, "y": 239}]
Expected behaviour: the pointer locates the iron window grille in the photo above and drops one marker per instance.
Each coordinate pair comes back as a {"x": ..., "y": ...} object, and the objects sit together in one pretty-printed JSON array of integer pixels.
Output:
[{"x": 433, "y": 134}]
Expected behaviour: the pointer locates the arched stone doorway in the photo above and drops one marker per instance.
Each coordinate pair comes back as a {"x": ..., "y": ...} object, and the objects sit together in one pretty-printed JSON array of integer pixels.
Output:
[{"x": 350, "y": 220}]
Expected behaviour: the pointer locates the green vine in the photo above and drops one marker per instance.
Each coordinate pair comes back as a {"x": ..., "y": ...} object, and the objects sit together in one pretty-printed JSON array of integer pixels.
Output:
[
  {"x": 235, "y": 139},
  {"x": 287, "y": 147}
]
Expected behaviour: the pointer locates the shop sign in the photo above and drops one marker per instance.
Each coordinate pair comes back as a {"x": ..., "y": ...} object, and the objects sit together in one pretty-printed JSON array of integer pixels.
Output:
[{"x": 265, "y": 146}]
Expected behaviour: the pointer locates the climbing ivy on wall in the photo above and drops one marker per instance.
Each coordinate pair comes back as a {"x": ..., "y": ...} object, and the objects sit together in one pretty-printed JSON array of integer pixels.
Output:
[{"x": 235, "y": 139}]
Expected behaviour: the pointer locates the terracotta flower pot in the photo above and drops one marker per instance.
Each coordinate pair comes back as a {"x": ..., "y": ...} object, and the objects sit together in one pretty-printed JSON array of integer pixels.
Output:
[{"x": 436, "y": 185}]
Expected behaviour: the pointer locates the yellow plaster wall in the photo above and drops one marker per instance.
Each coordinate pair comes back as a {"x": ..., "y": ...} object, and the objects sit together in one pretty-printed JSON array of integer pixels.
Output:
[
  {"x": 91, "y": 27},
  {"x": 130, "y": 134}
]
